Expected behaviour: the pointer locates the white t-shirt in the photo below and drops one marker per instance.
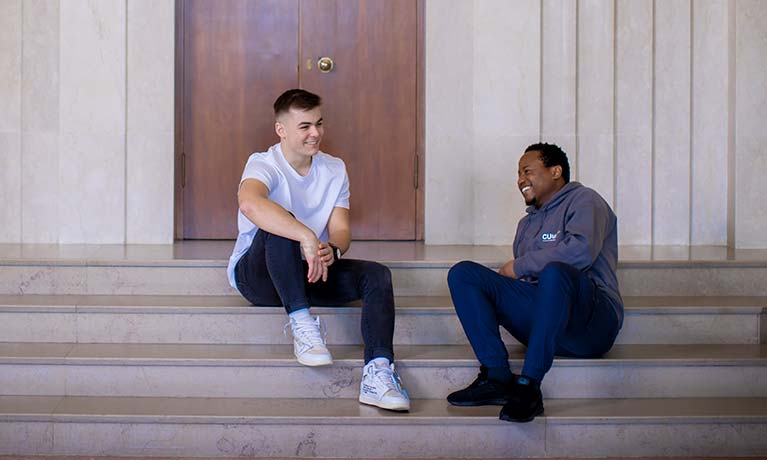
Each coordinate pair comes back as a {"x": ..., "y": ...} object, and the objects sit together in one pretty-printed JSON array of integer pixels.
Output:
[{"x": 310, "y": 198}]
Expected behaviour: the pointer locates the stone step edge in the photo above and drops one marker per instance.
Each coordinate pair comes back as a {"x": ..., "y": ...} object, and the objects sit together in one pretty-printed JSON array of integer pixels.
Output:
[
  {"x": 393, "y": 264},
  {"x": 422, "y": 412},
  {"x": 287, "y": 360},
  {"x": 427, "y": 304}
]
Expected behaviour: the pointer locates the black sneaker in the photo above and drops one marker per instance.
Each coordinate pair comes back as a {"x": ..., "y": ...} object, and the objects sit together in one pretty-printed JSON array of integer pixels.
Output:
[
  {"x": 525, "y": 402},
  {"x": 482, "y": 392}
]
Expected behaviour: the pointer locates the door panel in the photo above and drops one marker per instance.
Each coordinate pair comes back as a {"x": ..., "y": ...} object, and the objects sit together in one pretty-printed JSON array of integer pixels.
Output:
[
  {"x": 239, "y": 55},
  {"x": 369, "y": 104}
]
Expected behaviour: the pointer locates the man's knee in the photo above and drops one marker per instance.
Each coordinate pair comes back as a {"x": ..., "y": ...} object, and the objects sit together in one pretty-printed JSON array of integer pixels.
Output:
[
  {"x": 461, "y": 272},
  {"x": 277, "y": 241},
  {"x": 376, "y": 275},
  {"x": 554, "y": 271}
]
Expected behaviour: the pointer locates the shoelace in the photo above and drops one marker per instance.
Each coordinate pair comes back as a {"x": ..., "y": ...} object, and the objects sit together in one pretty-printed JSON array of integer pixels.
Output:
[
  {"x": 388, "y": 377},
  {"x": 312, "y": 332}
]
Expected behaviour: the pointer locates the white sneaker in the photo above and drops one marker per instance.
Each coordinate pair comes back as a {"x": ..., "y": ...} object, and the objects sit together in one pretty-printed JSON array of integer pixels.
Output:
[
  {"x": 382, "y": 387},
  {"x": 309, "y": 342}
]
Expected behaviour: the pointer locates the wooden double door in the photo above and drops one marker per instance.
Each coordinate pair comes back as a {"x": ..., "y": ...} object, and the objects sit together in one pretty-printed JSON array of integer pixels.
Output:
[{"x": 236, "y": 56}]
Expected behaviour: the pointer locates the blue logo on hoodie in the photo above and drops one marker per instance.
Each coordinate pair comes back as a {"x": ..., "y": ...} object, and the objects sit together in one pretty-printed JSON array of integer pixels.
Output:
[{"x": 549, "y": 237}]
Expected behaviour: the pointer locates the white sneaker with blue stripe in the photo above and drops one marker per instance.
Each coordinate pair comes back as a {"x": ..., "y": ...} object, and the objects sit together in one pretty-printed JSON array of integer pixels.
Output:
[{"x": 381, "y": 386}]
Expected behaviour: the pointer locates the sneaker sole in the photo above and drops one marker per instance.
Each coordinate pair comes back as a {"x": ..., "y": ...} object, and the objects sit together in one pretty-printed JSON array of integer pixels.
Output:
[
  {"x": 486, "y": 402},
  {"x": 538, "y": 412},
  {"x": 314, "y": 362},
  {"x": 374, "y": 402}
]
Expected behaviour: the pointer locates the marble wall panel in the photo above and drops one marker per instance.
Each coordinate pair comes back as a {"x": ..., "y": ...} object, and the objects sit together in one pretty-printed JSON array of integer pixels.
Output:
[
  {"x": 751, "y": 137},
  {"x": 506, "y": 111},
  {"x": 10, "y": 66},
  {"x": 633, "y": 120},
  {"x": 92, "y": 184},
  {"x": 595, "y": 121},
  {"x": 92, "y": 121},
  {"x": 10, "y": 120},
  {"x": 449, "y": 125},
  {"x": 40, "y": 182},
  {"x": 40, "y": 96},
  {"x": 10, "y": 187},
  {"x": 671, "y": 188},
  {"x": 150, "y": 115},
  {"x": 558, "y": 76},
  {"x": 710, "y": 111}
]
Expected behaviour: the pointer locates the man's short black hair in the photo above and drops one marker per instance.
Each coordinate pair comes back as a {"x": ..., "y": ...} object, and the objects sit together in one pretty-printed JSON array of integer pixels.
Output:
[
  {"x": 552, "y": 155},
  {"x": 296, "y": 99}
]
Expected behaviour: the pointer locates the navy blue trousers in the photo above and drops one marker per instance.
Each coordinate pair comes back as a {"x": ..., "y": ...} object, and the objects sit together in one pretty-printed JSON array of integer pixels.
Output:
[
  {"x": 273, "y": 273},
  {"x": 564, "y": 314}
]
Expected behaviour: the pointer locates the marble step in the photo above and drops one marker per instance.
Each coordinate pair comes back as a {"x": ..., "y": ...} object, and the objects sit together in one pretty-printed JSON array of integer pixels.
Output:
[
  {"x": 232, "y": 427},
  {"x": 111, "y": 457},
  {"x": 430, "y": 372},
  {"x": 198, "y": 268},
  {"x": 420, "y": 320}
]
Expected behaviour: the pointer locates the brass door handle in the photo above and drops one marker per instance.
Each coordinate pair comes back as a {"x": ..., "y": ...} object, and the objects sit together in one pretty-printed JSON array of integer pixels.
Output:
[{"x": 325, "y": 64}]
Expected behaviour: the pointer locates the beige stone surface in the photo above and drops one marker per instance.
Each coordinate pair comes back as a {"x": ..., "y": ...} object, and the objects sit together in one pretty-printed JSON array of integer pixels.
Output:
[
  {"x": 150, "y": 121},
  {"x": 449, "y": 136},
  {"x": 506, "y": 111},
  {"x": 751, "y": 138},
  {"x": 710, "y": 112},
  {"x": 558, "y": 76},
  {"x": 92, "y": 117},
  {"x": 595, "y": 118},
  {"x": 633, "y": 118},
  {"x": 672, "y": 122}
]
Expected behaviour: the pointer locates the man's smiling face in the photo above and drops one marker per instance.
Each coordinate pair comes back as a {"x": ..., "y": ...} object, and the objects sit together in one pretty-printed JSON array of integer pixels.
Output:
[
  {"x": 537, "y": 182},
  {"x": 301, "y": 131}
]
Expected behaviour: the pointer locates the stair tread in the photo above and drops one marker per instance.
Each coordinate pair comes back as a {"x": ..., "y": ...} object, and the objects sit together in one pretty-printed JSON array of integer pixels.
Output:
[
  {"x": 294, "y": 410},
  {"x": 454, "y": 355},
  {"x": 95, "y": 303}
]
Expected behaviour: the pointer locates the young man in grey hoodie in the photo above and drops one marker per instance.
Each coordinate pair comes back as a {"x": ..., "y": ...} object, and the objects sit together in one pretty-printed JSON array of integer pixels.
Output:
[{"x": 559, "y": 295}]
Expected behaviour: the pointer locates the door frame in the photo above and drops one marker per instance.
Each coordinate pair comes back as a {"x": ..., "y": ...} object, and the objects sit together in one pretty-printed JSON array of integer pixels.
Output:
[{"x": 179, "y": 160}]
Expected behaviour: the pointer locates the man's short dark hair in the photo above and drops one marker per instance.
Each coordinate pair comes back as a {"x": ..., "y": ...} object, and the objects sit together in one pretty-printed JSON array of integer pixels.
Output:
[
  {"x": 552, "y": 155},
  {"x": 296, "y": 99}
]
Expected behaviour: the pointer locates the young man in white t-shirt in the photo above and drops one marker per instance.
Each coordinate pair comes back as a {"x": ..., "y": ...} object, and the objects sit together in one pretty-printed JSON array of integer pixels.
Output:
[{"x": 293, "y": 229}]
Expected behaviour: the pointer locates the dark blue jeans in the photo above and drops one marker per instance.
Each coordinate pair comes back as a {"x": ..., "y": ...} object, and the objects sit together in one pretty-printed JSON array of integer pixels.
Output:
[
  {"x": 564, "y": 314},
  {"x": 273, "y": 273}
]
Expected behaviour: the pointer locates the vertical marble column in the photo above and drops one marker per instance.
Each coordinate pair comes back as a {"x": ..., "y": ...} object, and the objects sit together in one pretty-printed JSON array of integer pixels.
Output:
[
  {"x": 595, "y": 123},
  {"x": 671, "y": 188},
  {"x": 558, "y": 76},
  {"x": 449, "y": 125},
  {"x": 150, "y": 114},
  {"x": 506, "y": 110},
  {"x": 633, "y": 127},
  {"x": 92, "y": 121},
  {"x": 40, "y": 96},
  {"x": 751, "y": 114},
  {"x": 710, "y": 112},
  {"x": 10, "y": 120}
]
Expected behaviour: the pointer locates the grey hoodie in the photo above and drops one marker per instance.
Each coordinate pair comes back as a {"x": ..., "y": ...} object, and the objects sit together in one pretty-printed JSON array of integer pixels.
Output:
[{"x": 576, "y": 226}]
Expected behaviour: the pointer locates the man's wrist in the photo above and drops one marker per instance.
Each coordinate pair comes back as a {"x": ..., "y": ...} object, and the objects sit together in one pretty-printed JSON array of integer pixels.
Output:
[{"x": 336, "y": 251}]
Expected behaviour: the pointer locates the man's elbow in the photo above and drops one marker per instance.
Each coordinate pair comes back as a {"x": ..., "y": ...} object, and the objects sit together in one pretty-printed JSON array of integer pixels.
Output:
[{"x": 247, "y": 207}]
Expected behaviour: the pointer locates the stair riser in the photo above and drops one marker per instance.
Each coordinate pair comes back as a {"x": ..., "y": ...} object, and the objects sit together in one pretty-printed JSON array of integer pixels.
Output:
[
  {"x": 205, "y": 280},
  {"x": 596, "y": 380},
  {"x": 255, "y": 327},
  {"x": 487, "y": 440}
]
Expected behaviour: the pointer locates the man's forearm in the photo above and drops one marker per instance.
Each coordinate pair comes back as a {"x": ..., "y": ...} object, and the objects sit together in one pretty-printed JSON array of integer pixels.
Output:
[{"x": 273, "y": 218}]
